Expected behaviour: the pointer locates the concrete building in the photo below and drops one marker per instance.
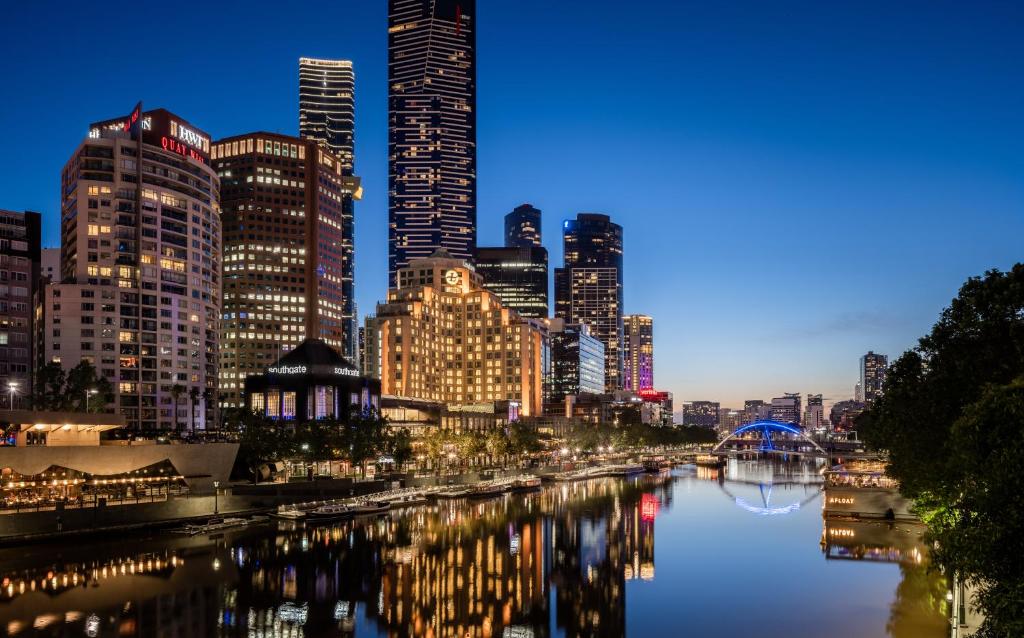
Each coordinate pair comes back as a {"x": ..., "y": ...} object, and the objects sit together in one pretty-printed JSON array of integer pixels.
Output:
[
  {"x": 577, "y": 364},
  {"x": 814, "y": 413},
  {"x": 431, "y": 130},
  {"x": 702, "y": 414},
  {"x": 49, "y": 264},
  {"x": 288, "y": 252},
  {"x": 638, "y": 353},
  {"x": 19, "y": 282},
  {"x": 442, "y": 336},
  {"x": 139, "y": 295},
  {"x": 786, "y": 409},
  {"x": 588, "y": 288},
  {"x": 872, "y": 375}
]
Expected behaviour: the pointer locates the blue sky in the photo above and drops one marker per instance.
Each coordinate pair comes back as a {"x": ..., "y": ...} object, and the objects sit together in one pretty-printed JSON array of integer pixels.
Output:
[{"x": 798, "y": 182}]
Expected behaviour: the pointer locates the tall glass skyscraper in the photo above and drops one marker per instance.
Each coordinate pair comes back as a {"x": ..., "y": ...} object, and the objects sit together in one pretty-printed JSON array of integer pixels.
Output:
[
  {"x": 588, "y": 288},
  {"x": 638, "y": 359},
  {"x": 327, "y": 106},
  {"x": 431, "y": 130},
  {"x": 522, "y": 227},
  {"x": 327, "y": 116}
]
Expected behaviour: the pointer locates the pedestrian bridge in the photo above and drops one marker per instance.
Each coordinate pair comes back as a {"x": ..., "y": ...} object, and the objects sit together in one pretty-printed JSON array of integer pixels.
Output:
[{"x": 771, "y": 437}]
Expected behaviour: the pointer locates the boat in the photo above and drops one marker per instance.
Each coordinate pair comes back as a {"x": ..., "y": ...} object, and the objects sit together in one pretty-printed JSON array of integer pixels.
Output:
[
  {"x": 709, "y": 460},
  {"x": 214, "y": 525},
  {"x": 370, "y": 508},
  {"x": 409, "y": 500},
  {"x": 331, "y": 512},
  {"x": 453, "y": 492},
  {"x": 525, "y": 484},
  {"x": 289, "y": 513},
  {"x": 622, "y": 470},
  {"x": 486, "y": 491}
]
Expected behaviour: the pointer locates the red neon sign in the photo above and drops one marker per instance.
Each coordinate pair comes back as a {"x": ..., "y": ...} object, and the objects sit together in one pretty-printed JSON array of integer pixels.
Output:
[{"x": 181, "y": 149}]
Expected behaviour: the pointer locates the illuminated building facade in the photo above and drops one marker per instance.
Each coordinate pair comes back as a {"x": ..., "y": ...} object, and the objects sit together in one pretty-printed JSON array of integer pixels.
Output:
[
  {"x": 872, "y": 375},
  {"x": 519, "y": 276},
  {"x": 327, "y": 107},
  {"x": 19, "y": 281},
  {"x": 522, "y": 227},
  {"x": 814, "y": 413},
  {"x": 139, "y": 295},
  {"x": 577, "y": 364},
  {"x": 786, "y": 409},
  {"x": 638, "y": 355},
  {"x": 702, "y": 414},
  {"x": 288, "y": 252},
  {"x": 588, "y": 288},
  {"x": 756, "y": 410},
  {"x": 441, "y": 336},
  {"x": 431, "y": 130}
]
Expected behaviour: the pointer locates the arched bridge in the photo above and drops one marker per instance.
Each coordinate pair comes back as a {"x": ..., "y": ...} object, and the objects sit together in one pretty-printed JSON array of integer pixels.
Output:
[{"x": 771, "y": 437}]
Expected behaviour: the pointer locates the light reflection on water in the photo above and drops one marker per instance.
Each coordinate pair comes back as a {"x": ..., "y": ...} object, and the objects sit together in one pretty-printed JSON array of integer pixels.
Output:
[{"x": 740, "y": 551}]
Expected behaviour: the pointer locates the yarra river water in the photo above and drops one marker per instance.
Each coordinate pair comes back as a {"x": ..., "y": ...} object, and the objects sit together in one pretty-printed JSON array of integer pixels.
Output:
[{"x": 691, "y": 552}]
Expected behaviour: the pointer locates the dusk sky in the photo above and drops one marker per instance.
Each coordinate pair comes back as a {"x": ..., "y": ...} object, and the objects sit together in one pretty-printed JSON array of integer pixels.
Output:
[{"x": 798, "y": 182}]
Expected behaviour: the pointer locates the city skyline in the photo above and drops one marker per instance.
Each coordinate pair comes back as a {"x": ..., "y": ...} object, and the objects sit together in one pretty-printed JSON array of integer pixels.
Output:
[{"x": 739, "y": 259}]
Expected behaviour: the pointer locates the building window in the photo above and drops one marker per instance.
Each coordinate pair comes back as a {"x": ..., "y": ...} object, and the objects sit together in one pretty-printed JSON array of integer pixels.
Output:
[
  {"x": 259, "y": 402},
  {"x": 273, "y": 404},
  {"x": 288, "y": 406}
]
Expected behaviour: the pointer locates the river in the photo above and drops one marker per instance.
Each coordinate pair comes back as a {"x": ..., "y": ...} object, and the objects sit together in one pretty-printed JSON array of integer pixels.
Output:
[{"x": 691, "y": 552}]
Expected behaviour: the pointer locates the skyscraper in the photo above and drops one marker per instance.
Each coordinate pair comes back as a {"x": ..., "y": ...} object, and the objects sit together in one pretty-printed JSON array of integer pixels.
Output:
[
  {"x": 814, "y": 414},
  {"x": 287, "y": 257},
  {"x": 786, "y": 409},
  {"x": 755, "y": 410},
  {"x": 139, "y": 295},
  {"x": 519, "y": 276},
  {"x": 327, "y": 106},
  {"x": 638, "y": 355},
  {"x": 872, "y": 375},
  {"x": 19, "y": 280},
  {"x": 588, "y": 288},
  {"x": 522, "y": 227},
  {"x": 577, "y": 364},
  {"x": 327, "y": 116},
  {"x": 431, "y": 130}
]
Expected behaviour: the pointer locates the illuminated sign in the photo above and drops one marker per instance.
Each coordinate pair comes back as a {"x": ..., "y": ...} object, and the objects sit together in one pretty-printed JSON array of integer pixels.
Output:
[
  {"x": 452, "y": 277},
  {"x": 190, "y": 136},
  {"x": 160, "y": 128},
  {"x": 287, "y": 370},
  {"x": 348, "y": 372}
]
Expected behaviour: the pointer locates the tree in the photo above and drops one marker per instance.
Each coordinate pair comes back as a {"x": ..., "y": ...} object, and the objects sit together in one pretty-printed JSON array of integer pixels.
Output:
[
  {"x": 523, "y": 439},
  {"x": 193, "y": 399},
  {"x": 176, "y": 391},
  {"x": 399, "y": 446},
  {"x": 950, "y": 418},
  {"x": 497, "y": 444},
  {"x": 55, "y": 389},
  {"x": 260, "y": 439},
  {"x": 48, "y": 387},
  {"x": 434, "y": 444},
  {"x": 365, "y": 435}
]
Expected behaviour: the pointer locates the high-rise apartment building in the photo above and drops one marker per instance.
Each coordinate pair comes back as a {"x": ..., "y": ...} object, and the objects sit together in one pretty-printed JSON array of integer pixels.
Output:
[
  {"x": 577, "y": 364},
  {"x": 442, "y": 336},
  {"x": 431, "y": 130},
  {"x": 287, "y": 252},
  {"x": 327, "y": 106},
  {"x": 638, "y": 353},
  {"x": 786, "y": 409},
  {"x": 19, "y": 281},
  {"x": 522, "y": 227},
  {"x": 588, "y": 288},
  {"x": 139, "y": 295},
  {"x": 519, "y": 276},
  {"x": 872, "y": 375},
  {"x": 814, "y": 413},
  {"x": 49, "y": 264},
  {"x": 756, "y": 410},
  {"x": 327, "y": 116}
]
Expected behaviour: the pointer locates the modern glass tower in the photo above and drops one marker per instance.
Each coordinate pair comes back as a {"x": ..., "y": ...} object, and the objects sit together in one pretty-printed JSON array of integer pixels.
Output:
[
  {"x": 431, "y": 130},
  {"x": 872, "y": 375},
  {"x": 327, "y": 105},
  {"x": 638, "y": 358},
  {"x": 522, "y": 227},
  {"x": 327, "y": 116},
  {"x": 588, "y": 288}
]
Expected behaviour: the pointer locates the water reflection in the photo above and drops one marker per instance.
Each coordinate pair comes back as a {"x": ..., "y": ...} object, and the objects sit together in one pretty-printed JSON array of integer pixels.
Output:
[{"x": 554, "y": 563}]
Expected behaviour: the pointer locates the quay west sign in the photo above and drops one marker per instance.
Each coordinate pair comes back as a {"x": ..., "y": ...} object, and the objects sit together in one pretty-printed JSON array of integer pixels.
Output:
[{"x": 160, "y": 128}]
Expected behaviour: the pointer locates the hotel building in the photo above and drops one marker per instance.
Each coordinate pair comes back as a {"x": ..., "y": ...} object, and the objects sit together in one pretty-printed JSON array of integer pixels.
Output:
[
  {"x": 588, "y": 288},
  {"x": 441, "y": 336},
  {"x": 431, "y": 130},
  {"x": 139, "y": 295},
  {"x": 287, "y": 252},
  {"x": 19, "y": 280},
  {"x": 638, "y": 356}
]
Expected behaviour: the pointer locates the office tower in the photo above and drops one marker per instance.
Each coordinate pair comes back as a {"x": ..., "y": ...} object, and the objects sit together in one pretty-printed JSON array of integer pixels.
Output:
[
  {"x": 19, "y": 281},
  {"x": 638, "y": 353},
  {"x": 442, "y": 336},
  {"x": 729, "y": 420},
  {"x": 702, "y": 414},
  {"x": 287, "y": 252},
  {"x": 786, "y": 409},
  {"x": 139, "y": 295},
  {"x": 588, "y": 288},
  {"x": 327, "y": 106},
  {"x": 327, "y": 116},
  {"x": 519, "y": 276},
  {"x": 872, "y": 375},
  {"x": 755, "y": 410},
  {"x": 431, "y": 130},
  {"x": 577, "y": 363},
  {"x": 522, "y": 227},
  {"x": 814, "y": 413}
]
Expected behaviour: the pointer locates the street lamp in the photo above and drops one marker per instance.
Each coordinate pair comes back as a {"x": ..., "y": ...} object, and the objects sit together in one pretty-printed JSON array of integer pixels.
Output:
[
  {"x": 13, "y": 387},
  {"x": 216, "y": 493},
  {"x": 88, "y": 393}
]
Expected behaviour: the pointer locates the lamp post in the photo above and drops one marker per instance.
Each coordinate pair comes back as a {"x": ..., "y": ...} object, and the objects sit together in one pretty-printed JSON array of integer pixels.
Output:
[
  {"x": 89, "y": 393},
  {"x": 12, "y": 386},
  {"x": 216, "y": 493}
]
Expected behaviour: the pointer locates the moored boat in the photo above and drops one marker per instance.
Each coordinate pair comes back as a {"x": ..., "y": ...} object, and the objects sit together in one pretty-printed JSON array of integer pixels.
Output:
[
  {"x": 330, "y": 512},
  {"x": 370, "y": 508}
]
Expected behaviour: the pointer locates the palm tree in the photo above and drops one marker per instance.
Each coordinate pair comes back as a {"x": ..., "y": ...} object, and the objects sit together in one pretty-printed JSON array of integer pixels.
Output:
[
  {"x": 193, "y": 398},
  {"x": 176, "y": 391}
]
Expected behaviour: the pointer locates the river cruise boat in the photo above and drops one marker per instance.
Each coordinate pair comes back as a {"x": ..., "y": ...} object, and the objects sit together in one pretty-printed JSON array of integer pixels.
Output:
[
  {"x": 709, "y": 460},
  {"x": 331, "y": 512},
  {"x": 371, "y": 508}
]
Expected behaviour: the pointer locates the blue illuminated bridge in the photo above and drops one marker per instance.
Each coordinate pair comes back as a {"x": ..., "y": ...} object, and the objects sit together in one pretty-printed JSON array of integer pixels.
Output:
[{"x": 769, "y": 437}]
